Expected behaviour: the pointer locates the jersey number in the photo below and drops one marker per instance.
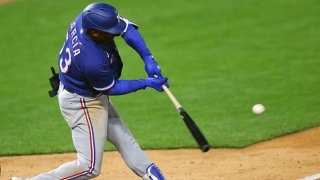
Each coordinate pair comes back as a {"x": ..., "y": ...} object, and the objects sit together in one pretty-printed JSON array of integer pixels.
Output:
[{"x": 65, "y": 63}]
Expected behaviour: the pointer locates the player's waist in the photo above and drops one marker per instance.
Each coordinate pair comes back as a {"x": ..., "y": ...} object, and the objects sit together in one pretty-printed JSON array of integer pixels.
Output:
[
  {"x": 85, "y": 94},
  {"x": 79, "y": 88}
]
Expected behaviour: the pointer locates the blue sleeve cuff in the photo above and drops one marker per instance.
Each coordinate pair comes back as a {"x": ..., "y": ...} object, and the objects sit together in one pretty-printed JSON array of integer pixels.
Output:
[{"x": 105, "y": 88}]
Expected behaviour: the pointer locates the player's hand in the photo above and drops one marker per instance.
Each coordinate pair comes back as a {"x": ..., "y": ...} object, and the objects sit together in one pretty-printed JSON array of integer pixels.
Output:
[
  {"x": 151, "y": 67},
  {"x": 156, "y": 83}
]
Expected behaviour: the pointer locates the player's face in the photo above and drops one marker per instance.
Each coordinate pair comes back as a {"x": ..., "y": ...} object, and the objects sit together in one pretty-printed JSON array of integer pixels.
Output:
[{"x": 99, "y": 36}]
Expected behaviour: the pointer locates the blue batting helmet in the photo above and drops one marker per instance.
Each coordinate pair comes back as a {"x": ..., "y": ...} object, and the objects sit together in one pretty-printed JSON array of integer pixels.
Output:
[{"x": 103, "y": 17}]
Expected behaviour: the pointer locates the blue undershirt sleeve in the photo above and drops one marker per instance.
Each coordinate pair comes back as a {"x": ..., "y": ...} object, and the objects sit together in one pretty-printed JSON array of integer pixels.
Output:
[
  {"x": 121, "y": 87},
  {"x": 134, "y": 39}
]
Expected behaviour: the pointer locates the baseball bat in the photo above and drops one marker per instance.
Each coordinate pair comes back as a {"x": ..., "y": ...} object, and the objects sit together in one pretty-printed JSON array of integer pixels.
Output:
[{"x": 193, "y": 128}]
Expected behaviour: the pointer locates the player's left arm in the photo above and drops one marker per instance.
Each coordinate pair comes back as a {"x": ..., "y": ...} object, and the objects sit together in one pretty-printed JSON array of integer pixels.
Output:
[
  {"x": 135, "y": 40},
  {"x": 122, "y": 87},
  {"x": 102, "y": 80}
]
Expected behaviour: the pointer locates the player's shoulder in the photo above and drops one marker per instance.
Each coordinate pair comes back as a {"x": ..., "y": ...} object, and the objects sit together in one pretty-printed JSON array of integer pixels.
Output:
[
  {"x": 89, "y": 54},
  {"x": 96, "y": 65},
  {"x": 92, "y": 56}
]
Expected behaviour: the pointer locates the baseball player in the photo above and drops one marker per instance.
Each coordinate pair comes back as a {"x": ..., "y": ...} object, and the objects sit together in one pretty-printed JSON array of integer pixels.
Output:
[{"x": 89, "y": 71}]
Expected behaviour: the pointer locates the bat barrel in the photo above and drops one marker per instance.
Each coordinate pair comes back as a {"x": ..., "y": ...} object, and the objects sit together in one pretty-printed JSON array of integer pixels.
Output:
[
  {"x": 193, "y": 128},
  {"x": 195, "y": 131}
]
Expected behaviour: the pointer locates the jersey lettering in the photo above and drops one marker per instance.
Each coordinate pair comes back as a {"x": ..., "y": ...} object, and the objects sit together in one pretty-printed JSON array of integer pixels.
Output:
[
  {"x": 74, "y": 41},
  {"x": 66, "y": 58}
]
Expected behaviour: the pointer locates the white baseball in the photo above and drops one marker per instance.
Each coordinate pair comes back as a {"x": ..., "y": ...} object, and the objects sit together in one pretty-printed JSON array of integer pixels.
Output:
[{"x": 258, "y": 109}]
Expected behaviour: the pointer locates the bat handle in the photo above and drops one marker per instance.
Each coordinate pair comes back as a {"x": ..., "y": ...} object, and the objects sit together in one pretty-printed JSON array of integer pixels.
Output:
[{"x": 172, "y": 98}]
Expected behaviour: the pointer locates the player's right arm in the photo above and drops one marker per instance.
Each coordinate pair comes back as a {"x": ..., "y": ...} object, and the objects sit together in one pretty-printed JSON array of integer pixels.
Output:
[{"x": 134, "y": 39}]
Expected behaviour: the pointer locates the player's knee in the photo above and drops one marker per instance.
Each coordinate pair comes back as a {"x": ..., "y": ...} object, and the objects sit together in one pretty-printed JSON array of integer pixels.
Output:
[
  {"x": 92, "y": 171},
  {"x": 153, "y": 173},
  {"x": 95, "y": 172}
]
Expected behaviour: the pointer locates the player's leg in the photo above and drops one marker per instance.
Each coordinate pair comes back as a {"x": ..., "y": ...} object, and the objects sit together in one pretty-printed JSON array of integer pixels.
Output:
[
  {"x": 132, "y": 154},
  {"x": 87, "y": 117}
]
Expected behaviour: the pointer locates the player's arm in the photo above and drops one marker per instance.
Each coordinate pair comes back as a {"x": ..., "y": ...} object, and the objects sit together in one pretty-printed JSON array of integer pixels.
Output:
[
  {"x": 103, "y": 81},
  {"x": 134, "y": 39},
  {"x": 122, "y": 87}
]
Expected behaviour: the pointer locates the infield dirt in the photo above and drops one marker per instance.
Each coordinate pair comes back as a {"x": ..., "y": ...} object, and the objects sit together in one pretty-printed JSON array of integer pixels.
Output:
[
  {"x": 5, "y": 1},
  {"x": 289, "y": 157}
]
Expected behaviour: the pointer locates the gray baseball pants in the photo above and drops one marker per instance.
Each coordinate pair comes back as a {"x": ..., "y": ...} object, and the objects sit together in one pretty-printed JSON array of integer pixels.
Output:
[{"x": 93, "y": 120}]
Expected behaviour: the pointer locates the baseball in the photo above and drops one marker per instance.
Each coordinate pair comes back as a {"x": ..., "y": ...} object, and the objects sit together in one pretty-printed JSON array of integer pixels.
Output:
[{"x": 258, "y": 109}]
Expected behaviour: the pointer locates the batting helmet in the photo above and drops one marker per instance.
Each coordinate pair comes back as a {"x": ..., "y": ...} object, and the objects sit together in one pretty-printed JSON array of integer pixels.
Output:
[{"x": 103, "y": 17}]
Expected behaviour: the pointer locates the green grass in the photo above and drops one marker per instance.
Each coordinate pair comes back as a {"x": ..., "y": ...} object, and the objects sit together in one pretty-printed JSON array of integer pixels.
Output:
[{"x": 221, "y": 57}]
